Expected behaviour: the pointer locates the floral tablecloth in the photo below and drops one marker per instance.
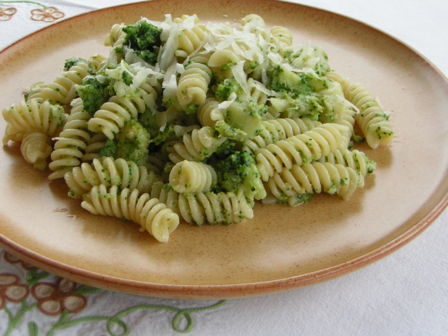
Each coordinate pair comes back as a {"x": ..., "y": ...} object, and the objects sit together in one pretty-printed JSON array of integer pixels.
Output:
[{"x": 404, "y": 294}]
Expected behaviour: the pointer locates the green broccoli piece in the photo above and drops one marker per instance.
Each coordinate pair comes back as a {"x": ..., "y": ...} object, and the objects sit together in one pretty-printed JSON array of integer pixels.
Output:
[
  {"x": 109, "y": 149},
  {"x": 226, "y": 88},
  {"x": 69, "y": 62},
  {"x": 94, "y": 92},
  {"x": 127, "y": 78},
  {"x": 191, "y": 109},
  {"x": 144, "y": 39},
  {"x": 132, "y": 143},
  {"x": 227, "y": 131},
  {"x": 239, "y": 170}
]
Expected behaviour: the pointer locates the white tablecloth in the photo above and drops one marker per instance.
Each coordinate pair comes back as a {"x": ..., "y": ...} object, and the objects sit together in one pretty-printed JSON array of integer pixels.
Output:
[{"x": 403, "y": 294}]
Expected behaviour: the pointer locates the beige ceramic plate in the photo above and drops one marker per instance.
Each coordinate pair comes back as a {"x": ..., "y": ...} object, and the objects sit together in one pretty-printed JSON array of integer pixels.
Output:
[{"x": 281, "y": 247}]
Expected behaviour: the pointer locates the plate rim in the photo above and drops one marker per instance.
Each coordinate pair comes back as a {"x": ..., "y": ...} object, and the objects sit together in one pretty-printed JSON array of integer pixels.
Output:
[{"x": 238, "y": 289}]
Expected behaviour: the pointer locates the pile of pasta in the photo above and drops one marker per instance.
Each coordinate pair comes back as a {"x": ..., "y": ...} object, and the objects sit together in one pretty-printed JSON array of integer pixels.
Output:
[{"x": 199, "y": 121}]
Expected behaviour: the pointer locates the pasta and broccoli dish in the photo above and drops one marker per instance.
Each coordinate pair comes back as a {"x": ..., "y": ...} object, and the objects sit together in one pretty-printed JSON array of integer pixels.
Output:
[{"x": 198, "y": 121}]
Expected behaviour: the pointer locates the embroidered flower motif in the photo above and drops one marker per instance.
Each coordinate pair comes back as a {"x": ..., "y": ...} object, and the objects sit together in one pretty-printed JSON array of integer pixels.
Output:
[
  {"x": 14, "y": 260},
  {"x": 48, "y": 14},
  {"x": 54, "y": 299},
  {"x": 7, "y": 13},
  {"x": 11, "y": 290}
]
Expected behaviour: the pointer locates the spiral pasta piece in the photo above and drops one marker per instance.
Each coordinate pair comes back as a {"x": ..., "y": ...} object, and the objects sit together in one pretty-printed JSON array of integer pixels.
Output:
[
  {"x": 71, "y": 142},
  {"x": 93, "y": 147},
  {"x": 35, "y": 149},
  {"x": 62, "y": 90},
  {"x": 193, "y": 85},
  {"x": 316, "y": 177},
  {"x": 113, "y": 114},
  {"x": 371, "y": 118},
  {"x": 209, "y": 207},
  {"x": 190, "y": 176},
  {"x": 153, "y": 216},
  {"x": 195, "y": 146},
  {"x": 209, "y": 113},
  {"x": 190, "y": 39},
  {"x": 116, "y": 36},
  {"x": 281, "y": 36},
  {"x": 119, "y": 172},
  {"x": 31, "y": 116},
  {"x": 354, "y": 159},
  {"x": 302, "y": 148},
  {"x": 279, "y": 129},
  {"x": 221, "y": 62}
]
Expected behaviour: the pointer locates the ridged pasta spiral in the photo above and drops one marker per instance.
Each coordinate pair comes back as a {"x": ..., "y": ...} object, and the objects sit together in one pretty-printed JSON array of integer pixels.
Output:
[
  {"x": 94, "y": 146},
  {"x": 62, "y": 90},
  {"x": 354, "y": 159},
  {"x": 279, "y": 129},
  {"x": 113, "y": 114},
  {"x": 190, "y": 176},
  {"x": 116, "y": 36},
  {"x": 190, "y": 40},
  {"x": 302, "y": 148},
  {"x": 153, "y": 216},
  {"x": 35, "y": 149},
  {"x": 201, "y": 208},
  {"x": 107, "y": 171},
  {"x": 221, "y": 62},
  {"x": 193, "y": 85},
  {"x": 282, "y": 37},
  {"x": 31, "y": 116},
  {"x": 71, "y": 142},
  {"x": 371, "y": 118},
  {"x": 343, "y": 111},
  {"x": 209, "y": 113},
  {"x": 195, "y": 146},
  {"x": 312, "y": 178}
]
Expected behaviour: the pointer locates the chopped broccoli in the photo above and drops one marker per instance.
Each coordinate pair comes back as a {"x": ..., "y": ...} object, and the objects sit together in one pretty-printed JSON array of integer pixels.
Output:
[
  {"x": 226, "y": 88},
  {"x": 131, "y": 143},
  {"x": 144, "y": 39},
  {"x": 69, "y": 62},
  {"x": 127, "y": 78},
  {"x": 191, "y": 109},
  {"x": 227, "y": 131},
  {"x": 239, "y": 170},
  {"x": 109, "y": 149},
  {"x": 94, "y": 91}
]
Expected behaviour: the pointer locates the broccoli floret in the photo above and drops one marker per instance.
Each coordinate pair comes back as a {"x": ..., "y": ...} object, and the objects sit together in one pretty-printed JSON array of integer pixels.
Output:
[
  {"x": 239, "y": 170},
  {"x": 144, "y": 39},
  {"x": 94, "y": 91},
  {"x": 127, "y": 78},
  {"x": 109, "y": 149},
  {"x": 69, "y": 62},
  {"x": 191, "y": 109},
  {"x": 132, "y": 142},
  {"x": 227, "y": 131},
  {"x": 226, "y": 88}
]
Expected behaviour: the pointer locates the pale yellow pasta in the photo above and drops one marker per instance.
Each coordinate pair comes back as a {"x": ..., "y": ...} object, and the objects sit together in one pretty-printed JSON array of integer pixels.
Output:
[
  {"x": 255, "y": 93},
  {"x": 113, "y": 114},
  {"x": 116, "y": 36},
  {"x": 35, "y": 149},
  {"x": 209, "y": 113},
  {"x": 107, "y": 171},
  {"x": 201, "y": 208},
  {"x": 221, "y": 62},
  {"x": 190, "y": 176},
  {"x": 314, "y": 178},
  {"x": 31, "y": 116},
  {"x": 302, "y": 148},
  {"x": 193, "y": 85},
  {"x": 195, "y": 146},
  {"x": 190, "y": 39},
  {"x": 94, "y": 146},
  {"x": 279, "y": 129},
  {"x": 71, "y": 142},
  {"x": 62, "y": 90},
  {"x": 281, "y": 36},
  {"x": 354, "y": 159},
  {"x": 371, "y": 118},
  {"x": 153, "y": 216}
]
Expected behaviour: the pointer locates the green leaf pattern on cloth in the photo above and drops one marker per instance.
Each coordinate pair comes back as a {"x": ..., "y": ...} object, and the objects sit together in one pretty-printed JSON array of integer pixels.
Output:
[{"x": 36, "y": 303}]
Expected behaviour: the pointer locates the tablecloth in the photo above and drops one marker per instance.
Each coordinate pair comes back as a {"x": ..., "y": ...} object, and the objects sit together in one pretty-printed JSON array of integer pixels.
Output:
[{"x": 403, "y": 294}]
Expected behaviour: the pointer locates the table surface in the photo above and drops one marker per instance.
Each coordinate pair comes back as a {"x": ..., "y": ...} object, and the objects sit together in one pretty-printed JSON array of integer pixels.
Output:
[{"x": 405, "y": 293}]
